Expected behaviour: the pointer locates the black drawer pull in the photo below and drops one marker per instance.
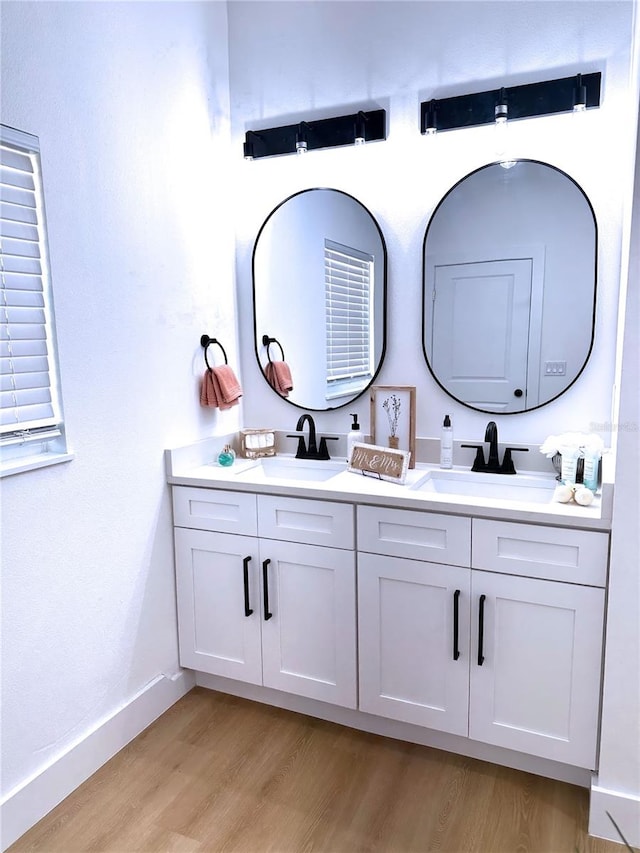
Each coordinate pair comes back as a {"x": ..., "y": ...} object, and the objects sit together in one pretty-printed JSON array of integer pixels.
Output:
[
  {"x": 265, "y": 582},
  {"x": 245, "y": 568},
  {"x": 481, "y": 630},
  {"x": 456, "y": 599}
]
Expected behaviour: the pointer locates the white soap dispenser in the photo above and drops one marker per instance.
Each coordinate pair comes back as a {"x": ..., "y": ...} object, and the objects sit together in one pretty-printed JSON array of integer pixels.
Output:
[
  {"x": 446, "y": 444},
  {"x": 355, "y": 435}
]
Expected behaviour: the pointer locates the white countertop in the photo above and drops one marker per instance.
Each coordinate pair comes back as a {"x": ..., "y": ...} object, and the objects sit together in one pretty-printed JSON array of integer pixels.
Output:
[{"x": 188, "y": 466}]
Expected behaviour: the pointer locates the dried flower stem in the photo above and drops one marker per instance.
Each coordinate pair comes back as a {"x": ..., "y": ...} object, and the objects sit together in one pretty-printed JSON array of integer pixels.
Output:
[{"x": 392, "y": 406}]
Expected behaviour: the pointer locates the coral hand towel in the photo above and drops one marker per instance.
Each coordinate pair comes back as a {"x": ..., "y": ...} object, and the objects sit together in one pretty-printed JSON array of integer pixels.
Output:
[
  {"x": 220, "y": 388},
  {"x": 279, "y": 377},
  {"x": 230, "y": 390},
  {"x": 208, "y": 396}
]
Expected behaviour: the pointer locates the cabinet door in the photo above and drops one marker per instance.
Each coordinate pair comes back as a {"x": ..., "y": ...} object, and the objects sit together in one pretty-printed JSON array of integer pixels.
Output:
[
  {"x": 414, "y": 664},
  {"x": 538, "y": 688},
  {"x": 217, "y": 634},
  {"x": 309, "y": 641}
]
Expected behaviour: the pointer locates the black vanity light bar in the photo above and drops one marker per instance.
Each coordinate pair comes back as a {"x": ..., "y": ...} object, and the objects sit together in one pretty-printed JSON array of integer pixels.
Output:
[
  {"x": 582, "y": 91},
  {"x": 352, "y": 129}
]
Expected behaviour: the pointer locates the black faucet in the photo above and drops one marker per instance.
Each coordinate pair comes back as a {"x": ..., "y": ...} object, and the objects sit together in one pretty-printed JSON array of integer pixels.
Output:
[
  {"x": 491, "y": 436},
  {"x": 492, "y": 465},
  {"x": 311, "y": 449}
]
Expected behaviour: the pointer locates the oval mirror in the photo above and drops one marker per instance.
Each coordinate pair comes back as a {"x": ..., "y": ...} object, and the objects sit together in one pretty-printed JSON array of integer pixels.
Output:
[
  {"x": 509, "y": 285},
  {"x": 319, "y": 297}
]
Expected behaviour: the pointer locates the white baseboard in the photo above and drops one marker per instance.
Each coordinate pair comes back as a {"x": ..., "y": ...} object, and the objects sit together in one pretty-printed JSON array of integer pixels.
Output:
[
  {"x": 28, "y": 803},
  {"x": 623, "y": 808}
]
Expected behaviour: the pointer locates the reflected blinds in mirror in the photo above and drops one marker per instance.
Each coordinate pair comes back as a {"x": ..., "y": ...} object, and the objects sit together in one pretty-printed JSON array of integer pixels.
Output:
[{"x": 348, "y": 306}]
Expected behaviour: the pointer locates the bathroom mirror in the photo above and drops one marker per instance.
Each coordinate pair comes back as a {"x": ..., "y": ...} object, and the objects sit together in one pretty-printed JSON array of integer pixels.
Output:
[
  {"x": 509, "y": 287},
  {"x": 319, "y": 297}
]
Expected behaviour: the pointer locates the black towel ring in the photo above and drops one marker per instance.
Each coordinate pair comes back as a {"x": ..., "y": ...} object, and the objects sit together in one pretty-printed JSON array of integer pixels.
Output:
[
  {"x": 266, "y": 341},
  {"x": 205, "y": 340}
]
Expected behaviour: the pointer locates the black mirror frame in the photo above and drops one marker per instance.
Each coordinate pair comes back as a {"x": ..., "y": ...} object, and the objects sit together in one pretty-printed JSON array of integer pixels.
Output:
[
  {"x": 424, "y": 295},
  {"x": 384, "y": 300}
]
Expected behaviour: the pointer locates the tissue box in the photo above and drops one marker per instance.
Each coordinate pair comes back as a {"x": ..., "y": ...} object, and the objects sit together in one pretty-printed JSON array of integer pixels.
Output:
[{"x": 257, "y": 443}]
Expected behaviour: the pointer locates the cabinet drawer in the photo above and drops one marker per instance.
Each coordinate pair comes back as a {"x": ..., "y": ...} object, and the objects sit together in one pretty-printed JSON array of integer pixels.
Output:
[
  {"x": 551, "y": 553},
  {"x": 307, "y": 521},
  {"x": 215, "y": 509},
  {"x": 417, "y": 535}
]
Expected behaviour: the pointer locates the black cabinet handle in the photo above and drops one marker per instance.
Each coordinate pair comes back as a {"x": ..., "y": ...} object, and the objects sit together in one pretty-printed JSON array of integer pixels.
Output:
[
  {"x": 245, "y": 568},
  {"x": 518, "y": 392},
  {"x": 265, "y": 583},
  {"x": 481, "y": 630},
  {"x": 456, "y": 650}
]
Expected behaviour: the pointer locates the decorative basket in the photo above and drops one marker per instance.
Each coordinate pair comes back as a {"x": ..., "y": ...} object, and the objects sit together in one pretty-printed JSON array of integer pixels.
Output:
[{"x": 257, "y": 443}]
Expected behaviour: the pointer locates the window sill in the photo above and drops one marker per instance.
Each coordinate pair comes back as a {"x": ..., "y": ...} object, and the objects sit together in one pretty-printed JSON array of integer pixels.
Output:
[{"x": 30, "y": 463}]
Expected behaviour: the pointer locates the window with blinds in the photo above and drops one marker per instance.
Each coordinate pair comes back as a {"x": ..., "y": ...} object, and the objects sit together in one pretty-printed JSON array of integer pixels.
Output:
[
  {"x": 348, "y": 305},
  {"x": 30, "y": 409}
]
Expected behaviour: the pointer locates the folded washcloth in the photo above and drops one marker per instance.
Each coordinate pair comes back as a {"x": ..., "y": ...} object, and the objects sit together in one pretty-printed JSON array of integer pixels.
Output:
[
  {"x": 220, "y": 388},
  {"x": 278, "y": 376}
]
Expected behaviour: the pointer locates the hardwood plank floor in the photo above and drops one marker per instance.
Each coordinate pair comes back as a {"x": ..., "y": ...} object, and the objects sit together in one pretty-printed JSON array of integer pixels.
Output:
[{"x": 217, "y": 773}]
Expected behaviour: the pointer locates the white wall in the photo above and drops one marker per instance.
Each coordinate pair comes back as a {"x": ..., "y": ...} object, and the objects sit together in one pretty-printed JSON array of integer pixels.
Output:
[
  {"x": 328, "y": 58},
  {"x": 617, "y": 787},
  {"x": 130, "y": 102}
]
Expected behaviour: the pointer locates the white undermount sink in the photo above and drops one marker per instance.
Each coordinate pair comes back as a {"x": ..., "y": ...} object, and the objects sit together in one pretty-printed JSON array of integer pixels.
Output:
[
  {"x": 290, "y": 468},
  {"x": 529, "y": 488}
]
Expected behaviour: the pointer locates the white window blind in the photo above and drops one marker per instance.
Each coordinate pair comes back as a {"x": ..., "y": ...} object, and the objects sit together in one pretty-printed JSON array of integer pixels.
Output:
[
  {"x": 348, "y": 298},
  {"x": 30, "y": 408}
]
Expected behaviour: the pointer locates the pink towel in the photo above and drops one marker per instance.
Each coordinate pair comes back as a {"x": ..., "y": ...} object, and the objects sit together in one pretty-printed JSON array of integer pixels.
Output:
[
  {"x": 208, "y": 395},
  {"x": 228, "y": 385},
  {"x": 220, "y": 388},
  {"x": 279, "y": 377}
]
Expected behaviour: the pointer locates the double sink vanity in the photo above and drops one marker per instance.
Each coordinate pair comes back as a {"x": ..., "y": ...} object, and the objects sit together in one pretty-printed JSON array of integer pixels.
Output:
[{"x": 461, "y": 609}]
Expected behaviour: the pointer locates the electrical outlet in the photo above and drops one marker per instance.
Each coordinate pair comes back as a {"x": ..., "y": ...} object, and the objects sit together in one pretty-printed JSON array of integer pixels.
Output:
[{"x": 555, "y": 368}]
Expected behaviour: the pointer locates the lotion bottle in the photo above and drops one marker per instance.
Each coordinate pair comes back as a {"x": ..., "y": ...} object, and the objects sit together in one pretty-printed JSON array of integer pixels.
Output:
[
  {"x": 569, "y": 465},
  {"x": 446, "y": 444},
  {"x": 355, "y": 435},
  {"x": 591, "y": 465}
]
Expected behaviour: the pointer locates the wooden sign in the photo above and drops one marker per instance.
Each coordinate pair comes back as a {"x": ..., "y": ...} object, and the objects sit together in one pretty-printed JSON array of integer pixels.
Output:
[{"x": 379, "y": 462}]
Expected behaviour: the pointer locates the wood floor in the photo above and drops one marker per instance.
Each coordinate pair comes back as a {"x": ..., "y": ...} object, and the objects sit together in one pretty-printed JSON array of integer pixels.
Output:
[{"x": 216, "y": 773}]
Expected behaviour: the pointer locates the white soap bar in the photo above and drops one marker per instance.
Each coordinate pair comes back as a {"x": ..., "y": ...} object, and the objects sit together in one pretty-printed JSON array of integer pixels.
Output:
[
  {"x": 563, "y": 494},
  {"x": 583, "y": 496}
]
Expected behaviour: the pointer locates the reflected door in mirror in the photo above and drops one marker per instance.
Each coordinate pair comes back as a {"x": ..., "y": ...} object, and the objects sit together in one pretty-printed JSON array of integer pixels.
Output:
[{"x": 480, "y": 329}]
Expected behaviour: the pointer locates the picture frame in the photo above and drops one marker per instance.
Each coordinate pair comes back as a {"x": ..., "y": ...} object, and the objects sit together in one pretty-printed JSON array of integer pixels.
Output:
[{"x": 393, "y": 418}]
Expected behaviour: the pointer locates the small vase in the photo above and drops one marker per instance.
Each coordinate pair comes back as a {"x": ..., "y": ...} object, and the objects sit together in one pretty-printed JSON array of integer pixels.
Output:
[{"x": 394, "y": 442}]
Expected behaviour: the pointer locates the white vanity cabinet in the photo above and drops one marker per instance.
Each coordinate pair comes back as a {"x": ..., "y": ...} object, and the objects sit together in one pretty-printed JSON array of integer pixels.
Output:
[
  {"x": 483, "y": 628},
  {"x": 480, "y": 628},
  {"x": 259, "y": 603}
]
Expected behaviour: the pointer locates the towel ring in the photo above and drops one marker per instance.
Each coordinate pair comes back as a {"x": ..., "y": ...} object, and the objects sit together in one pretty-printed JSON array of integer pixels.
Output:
[
  {"x": 266, "y": 341},
  {"x": 205, "y": 340}
]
